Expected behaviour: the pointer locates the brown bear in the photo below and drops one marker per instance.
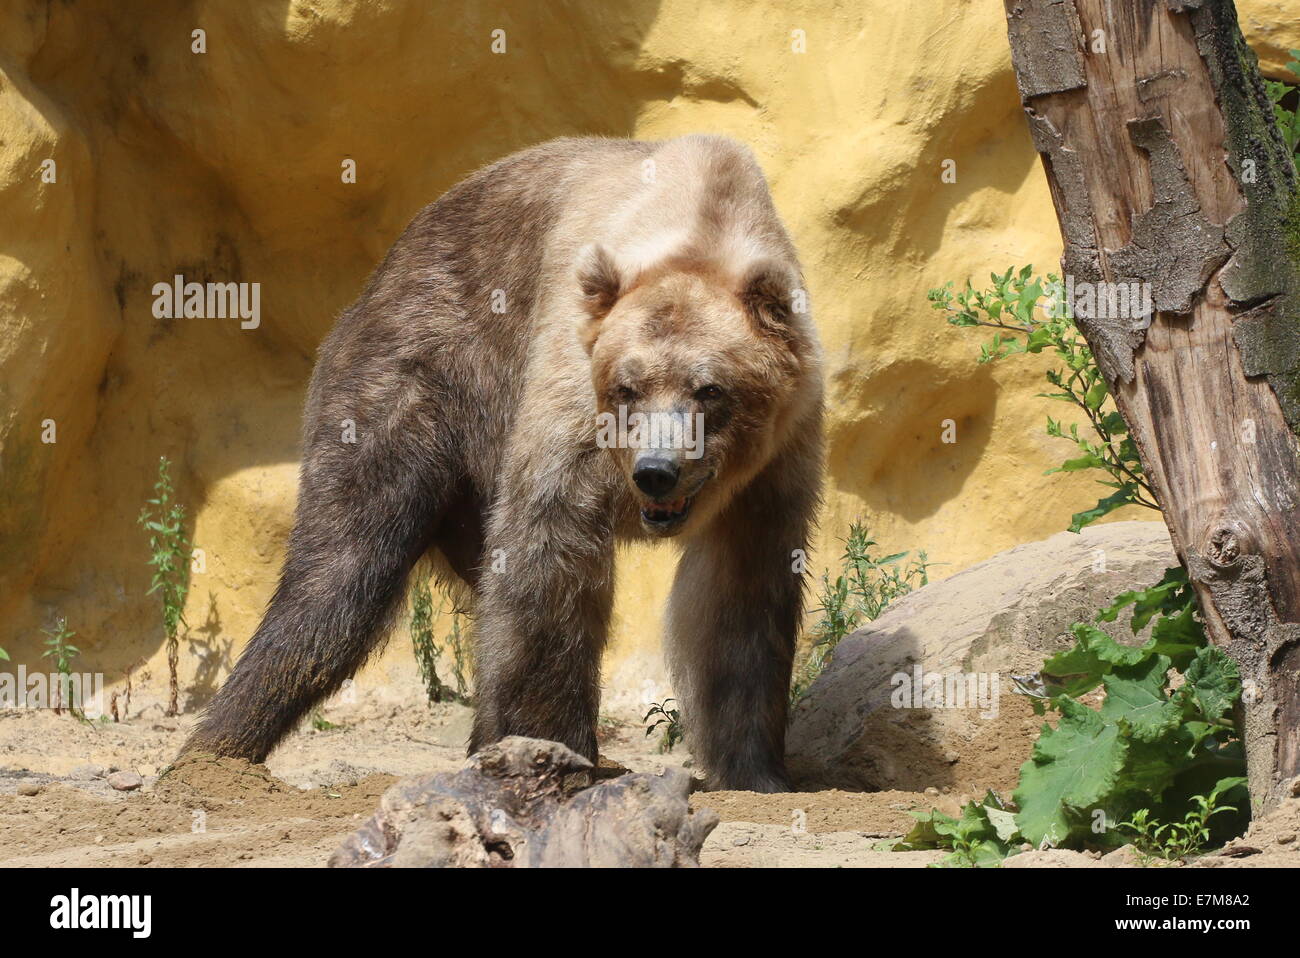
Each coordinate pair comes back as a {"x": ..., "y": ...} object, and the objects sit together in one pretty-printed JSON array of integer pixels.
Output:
[{"x": 590, "y": 341}]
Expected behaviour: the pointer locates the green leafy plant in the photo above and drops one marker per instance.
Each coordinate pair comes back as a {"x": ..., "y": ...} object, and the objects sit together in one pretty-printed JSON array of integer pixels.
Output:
[
  {"x": 1163, "y": 731},
  {"x": 1288, "y": 120},
  {"x": 1030, "y": 315},
  {"x": 668, "y": 724},
  {"x": 427, "y": 650},
  {"x": 866, "y": 587},
  {"x": 1176, "y": 841},
  {"x": 982, "y": 837},
  {"x": 58, "y": 648},
  {"x": 1161, "y": 740},
  {"x": 988, "y": 832},
  {"x": 1162, "y": 744},
  {"x": 319, "y": 722},
  {"x": 163, "y": 518}
]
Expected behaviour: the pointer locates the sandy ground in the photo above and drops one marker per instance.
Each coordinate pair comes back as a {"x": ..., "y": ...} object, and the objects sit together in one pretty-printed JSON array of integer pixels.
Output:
[{"x": 321, "y": 785}]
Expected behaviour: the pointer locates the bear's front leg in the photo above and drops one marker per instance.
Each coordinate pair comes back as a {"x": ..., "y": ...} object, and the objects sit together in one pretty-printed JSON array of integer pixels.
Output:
[
  {"x": 546, "y": 592},
  {"x": 733, "y": 616}
]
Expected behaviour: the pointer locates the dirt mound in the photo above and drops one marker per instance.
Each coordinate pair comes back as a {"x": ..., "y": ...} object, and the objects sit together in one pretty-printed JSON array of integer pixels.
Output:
[
  {"x": 209, "y": 777},
  {"x": 236, "y": 786}
]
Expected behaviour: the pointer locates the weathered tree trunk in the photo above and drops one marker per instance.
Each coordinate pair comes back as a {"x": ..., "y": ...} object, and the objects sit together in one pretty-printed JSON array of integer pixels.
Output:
[{"x": 1166, "y": 167}]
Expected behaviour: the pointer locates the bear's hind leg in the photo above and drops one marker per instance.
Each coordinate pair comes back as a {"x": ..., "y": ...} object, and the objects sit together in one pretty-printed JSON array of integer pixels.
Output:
[{"x": 365, "y": 515}]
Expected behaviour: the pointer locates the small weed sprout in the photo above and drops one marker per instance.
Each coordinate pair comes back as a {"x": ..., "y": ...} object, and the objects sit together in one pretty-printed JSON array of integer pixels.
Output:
[
  {"x": 867, "y": 586},
  {"x": 319, "y": 722},
  {"x": 1178, "y": 841},
  {"x": 163, "y": 518},
  {"x": 458, "y": 640},
  {"x": 668, "y": 723},
  {"x": 1288, "y": 121},
  {"x": 58, "y": 648},
  {"x": 426, "y": 647}
]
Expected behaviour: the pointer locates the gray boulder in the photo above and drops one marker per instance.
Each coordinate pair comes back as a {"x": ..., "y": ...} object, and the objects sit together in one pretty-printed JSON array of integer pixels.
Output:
[{"x": 867, "y": 724}]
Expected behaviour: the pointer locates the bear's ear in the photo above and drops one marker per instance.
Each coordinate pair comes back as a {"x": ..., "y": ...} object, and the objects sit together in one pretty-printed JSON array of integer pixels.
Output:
[
  {"x": 599, "y": 279},
  {"x": 767, "y": 290},
  {"x": 601, "y": 283}
]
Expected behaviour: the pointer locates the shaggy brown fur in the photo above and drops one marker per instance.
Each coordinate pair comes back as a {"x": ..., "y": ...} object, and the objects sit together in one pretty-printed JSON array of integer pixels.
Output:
[{"x": 560, "y": 282}]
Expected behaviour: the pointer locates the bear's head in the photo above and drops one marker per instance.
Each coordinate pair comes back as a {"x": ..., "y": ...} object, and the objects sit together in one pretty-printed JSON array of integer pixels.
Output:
[{"x": 699, "y": 373}]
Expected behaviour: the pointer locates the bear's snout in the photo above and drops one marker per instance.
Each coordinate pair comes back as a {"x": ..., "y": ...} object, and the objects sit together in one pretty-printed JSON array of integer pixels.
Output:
[{"x": 655, "y": 475}]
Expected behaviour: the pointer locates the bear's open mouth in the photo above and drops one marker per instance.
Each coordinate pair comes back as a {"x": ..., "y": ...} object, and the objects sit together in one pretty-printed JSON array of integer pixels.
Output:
[{"x": 667, "y": 513}]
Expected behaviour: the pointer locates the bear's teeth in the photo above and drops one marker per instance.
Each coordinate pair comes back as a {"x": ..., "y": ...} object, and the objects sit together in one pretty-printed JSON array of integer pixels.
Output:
[{"x": 660, "y": 511}]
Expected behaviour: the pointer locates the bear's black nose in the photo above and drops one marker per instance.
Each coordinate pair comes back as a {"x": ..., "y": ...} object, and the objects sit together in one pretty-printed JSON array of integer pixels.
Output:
[{"x": 655, "y": 476}]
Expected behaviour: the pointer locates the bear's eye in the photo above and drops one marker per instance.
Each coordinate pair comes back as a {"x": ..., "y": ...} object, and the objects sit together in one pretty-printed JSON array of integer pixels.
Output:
[
  {"x": 705, "y": 393},
  {"x": 624, "y": 394}
]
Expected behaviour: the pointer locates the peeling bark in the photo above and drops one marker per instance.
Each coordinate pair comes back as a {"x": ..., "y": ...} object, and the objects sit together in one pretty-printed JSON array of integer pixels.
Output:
[
  {"x": 1045, "y": 47},
  {"x": 1173, "y": 245},
  {"x": 1166, "y": 168}
]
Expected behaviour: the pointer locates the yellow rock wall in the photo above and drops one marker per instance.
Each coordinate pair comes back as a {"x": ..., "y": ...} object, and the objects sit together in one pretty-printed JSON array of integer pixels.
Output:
[{"x": 225, "y": 165}]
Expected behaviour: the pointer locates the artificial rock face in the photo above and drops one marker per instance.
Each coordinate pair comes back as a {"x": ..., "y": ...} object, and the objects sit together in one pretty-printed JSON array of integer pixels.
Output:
[{"x": 277, "y": 156}]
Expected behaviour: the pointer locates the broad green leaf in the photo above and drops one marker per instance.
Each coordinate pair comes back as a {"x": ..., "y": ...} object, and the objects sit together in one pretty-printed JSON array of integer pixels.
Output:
[
  {"x": 1226, "y": 785},
  {"x": 1114, "y": 423},
  {"x": 930, "y": 831},
  {"x": 1103, "y": 507},
  {"x": 1074, "y": 766},
  {"x": 1003, "y": 822},
  {"x": 1094, "y": 654},
  {"x": 1147, "y": 602},
  {"x": 1088, "y": 461},
  {"x": 1135, "y": 694},
  {"x": 1178, "y": 636},
  {"x": 988, "y": 854},
  {"x": 1075, "y": 672},
  {"x": 1151, "y": 767},
  {"x": 1200, "y": 731},
  {"x": 1037, "y": 339},
  {"x": 1216, "y": 682}
]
